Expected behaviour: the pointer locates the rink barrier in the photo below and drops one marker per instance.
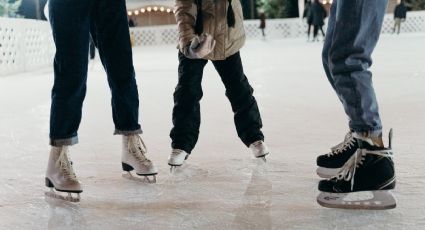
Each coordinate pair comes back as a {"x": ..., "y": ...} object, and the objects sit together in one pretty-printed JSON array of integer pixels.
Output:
[
  {"x": 276, "y": 29},
  {"x": 27, "y": 45}
]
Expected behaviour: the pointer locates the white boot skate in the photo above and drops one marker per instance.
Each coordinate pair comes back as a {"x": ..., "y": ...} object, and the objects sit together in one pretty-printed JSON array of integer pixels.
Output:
[
  {"x": 259, "y": 150},
  {"x": 60, "y": 175},
  {"x": 134, "y": 158},
  {"x": 177, "y": 158}
]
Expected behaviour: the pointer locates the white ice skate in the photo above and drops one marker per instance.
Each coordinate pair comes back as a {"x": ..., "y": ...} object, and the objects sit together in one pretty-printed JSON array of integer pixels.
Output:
[
  {"x": 259, "y": 150},
  {"x": 177, "y": 158},
  {"x": 60, "y": 176},
  {"x": 134, "y": 158}
]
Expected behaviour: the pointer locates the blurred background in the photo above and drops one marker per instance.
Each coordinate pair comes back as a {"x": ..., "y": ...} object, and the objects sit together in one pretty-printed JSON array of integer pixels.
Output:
[{"x": 159, "y": 12}]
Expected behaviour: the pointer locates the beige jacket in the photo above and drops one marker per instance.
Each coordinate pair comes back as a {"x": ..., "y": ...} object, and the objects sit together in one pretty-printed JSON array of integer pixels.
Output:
[{"x": 228, "y": 40}]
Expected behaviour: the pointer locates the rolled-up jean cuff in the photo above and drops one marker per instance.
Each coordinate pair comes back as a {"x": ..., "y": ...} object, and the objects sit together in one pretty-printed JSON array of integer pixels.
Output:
[
  {"x": 128, "y": 133},
  {"x": 64, "y": 142},
  {"x": 370, "y": 133}
]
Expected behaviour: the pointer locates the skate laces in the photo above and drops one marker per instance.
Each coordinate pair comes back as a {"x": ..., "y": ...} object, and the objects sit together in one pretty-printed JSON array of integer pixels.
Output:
[
  {"x": 65, "y": 164},
  {"x": 349, "y": 141},
  {"x": 137, "y": 148},
  {"x": 348, "y": 171}
]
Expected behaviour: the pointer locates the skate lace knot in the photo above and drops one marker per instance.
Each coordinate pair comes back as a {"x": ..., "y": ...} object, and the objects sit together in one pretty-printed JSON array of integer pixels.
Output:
[
  {"x": 348, "y": 143},
  {"x": 65, "y": 164},
  {"x": 348, "y": 171},
  {"x": 137, "y": 149}
]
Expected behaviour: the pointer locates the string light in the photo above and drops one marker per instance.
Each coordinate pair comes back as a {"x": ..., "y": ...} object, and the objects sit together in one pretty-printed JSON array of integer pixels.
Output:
[{"x": 161, "y": 9}]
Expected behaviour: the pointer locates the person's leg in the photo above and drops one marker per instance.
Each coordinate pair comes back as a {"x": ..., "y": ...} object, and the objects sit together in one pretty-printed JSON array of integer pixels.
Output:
[
  {"x": 240, "y": 93},
  {"x": 315, "y": 32},
  {"x": 356, "y": 32},
  {"x": 328, "y": 43},
  {"x": 70, "y": 26},
  {"x": 308, "y": 31},
  {"x": 395, "y": 25},
  {"x": 323, "y": 32},
  {"x": 110, "y": 32},
  {"x": 186, "y": 111},
  {"x": 398, "y": 20}
]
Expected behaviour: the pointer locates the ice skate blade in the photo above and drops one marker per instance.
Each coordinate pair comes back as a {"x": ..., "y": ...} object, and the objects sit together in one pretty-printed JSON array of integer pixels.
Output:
[
  {"x": 69, "y": 197},
  {"x": 173, "y": 168},
  {"x": 327, "y": 172},
  {"x": 381, "y": 200},
  {"x": 263, "y": 157},
  {"x": 142, "y": 178}
]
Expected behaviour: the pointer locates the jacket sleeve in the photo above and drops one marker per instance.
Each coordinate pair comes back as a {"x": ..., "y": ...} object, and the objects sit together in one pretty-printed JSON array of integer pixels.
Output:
[{"x": 185, "y": 13}]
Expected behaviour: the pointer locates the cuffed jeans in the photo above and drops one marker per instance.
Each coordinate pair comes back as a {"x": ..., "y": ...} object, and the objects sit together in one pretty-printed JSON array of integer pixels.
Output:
[
  {"x": 188, "y": 93},
  {"x": 72, "y": 22},
  {"x": 353, "y": 32}
]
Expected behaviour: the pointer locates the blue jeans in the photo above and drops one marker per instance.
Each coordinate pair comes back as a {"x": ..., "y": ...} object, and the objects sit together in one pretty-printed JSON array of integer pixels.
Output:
[
  {"x": 353, "y": 32},
  {"x": 72, "y": 22}
]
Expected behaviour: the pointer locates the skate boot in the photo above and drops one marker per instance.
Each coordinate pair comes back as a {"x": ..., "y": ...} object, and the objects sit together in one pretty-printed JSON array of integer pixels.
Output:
[
  {"x": 60, "y": 176},
  {"x": 134, "y": 158},
  {"x": 369, "y": 170},
  {"x": 330, "y": 164},
  {"x": 177, "y": 158},
  {"x": 259, "y": 150}
]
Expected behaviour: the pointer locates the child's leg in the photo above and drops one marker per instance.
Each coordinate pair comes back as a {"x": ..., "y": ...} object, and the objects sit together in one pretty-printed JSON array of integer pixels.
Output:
[
  {"x": 240, "y": 93},
  {"x": 110, "y": 33},
  {"x": 186, "y": 112},
  {"x": 70, "y": 27}
]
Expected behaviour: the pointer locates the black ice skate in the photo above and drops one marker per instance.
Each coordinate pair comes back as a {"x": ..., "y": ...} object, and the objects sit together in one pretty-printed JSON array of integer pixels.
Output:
[
  {"x": 369, "y": 170},
  {"x": 330, "y": 164}
]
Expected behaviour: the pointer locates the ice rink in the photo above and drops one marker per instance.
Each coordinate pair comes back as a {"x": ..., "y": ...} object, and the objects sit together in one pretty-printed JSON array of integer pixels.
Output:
[{"x": 221, "y": 186}]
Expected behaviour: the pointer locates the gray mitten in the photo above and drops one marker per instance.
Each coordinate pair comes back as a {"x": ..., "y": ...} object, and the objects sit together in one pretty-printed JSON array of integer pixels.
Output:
[{"x": 199, "y": 47}]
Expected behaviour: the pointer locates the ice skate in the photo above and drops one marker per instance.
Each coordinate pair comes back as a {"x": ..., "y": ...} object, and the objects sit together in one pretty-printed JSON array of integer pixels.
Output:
[
  {"x": 177, "y": 158},
  {"x": 259, "y": 150},
  {"x": 364, "y": 181},
  {"x": 134, "y": 158},
  {"x": 60, "y": 176},
  {"x": 330, "y": 164}
]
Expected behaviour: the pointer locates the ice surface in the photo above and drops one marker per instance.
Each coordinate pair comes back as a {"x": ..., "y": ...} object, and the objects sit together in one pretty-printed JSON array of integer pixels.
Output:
[{"x": 221, "y": 187}]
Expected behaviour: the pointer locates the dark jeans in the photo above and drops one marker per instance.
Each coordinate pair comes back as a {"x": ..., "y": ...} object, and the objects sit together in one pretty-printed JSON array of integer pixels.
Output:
[
  {"x": 316, "y": 31},
  {"x": 72, "y": 22},
  {"x": 353, "y": 32},
  {"x": 188, "y": 93}
]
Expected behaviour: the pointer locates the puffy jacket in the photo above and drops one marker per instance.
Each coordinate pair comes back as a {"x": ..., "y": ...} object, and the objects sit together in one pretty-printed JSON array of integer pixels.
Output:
[{"x": 229, "y": 40}]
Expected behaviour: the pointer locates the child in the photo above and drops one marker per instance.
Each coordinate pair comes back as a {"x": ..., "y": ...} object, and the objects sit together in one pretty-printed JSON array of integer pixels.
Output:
[
  {"x": 212, "y": 30},
  {"x": 72, "y": 24}
]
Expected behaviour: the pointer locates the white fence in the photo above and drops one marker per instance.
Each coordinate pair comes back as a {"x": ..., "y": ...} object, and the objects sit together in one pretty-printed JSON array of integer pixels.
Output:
[
  {"x": 26, "y": 45},
  {"x": 276, "y": 28}
]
